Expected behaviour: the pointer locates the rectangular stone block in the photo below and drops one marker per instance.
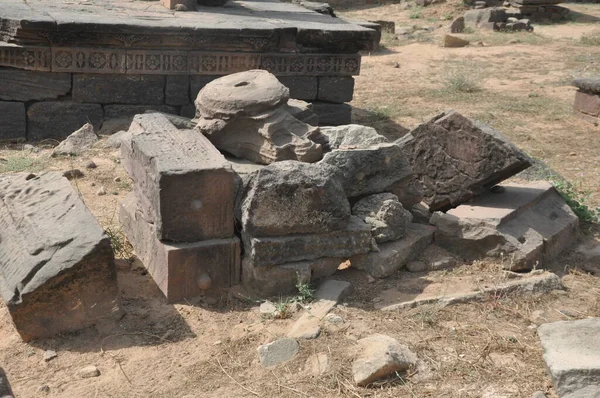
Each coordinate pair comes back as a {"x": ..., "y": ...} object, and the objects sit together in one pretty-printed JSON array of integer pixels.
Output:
[
  {"x": 54, "y": 119},
  {"x": 57, "y": 270},
  {"x": 184, "y": 179},
  {"x": 177, "y": 90},
  {"x": 13, "y": 123},
  {"x": 118, "y": 89},
  {"x": 338, "y": 89},
  {"x": 181, "y": 270},
  {"x": 269, "y": 251},
  {"x": 301, "y": 87},
  {"x": 587, "y": 103},
  {"x": 23, "y": 85},
  {"x": 332, "y": 114}
]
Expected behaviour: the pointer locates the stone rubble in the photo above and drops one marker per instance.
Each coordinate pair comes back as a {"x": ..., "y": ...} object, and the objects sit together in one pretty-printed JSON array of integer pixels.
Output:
[
  {"x": 385, "y": 214},
  {"x": 277, "y": 352},
  {"x": 78, "y": 142}
]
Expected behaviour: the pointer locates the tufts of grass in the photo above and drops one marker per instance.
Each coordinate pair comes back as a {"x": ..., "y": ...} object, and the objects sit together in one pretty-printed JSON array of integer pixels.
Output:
[
  {"x": 379, "y": 113},
  {"x": 577, "y": 201},
  {"x": 120, "y": 246},
  {"x": 591, "y": 39},
  {"x": 16, "y": 164},
  {"x": 463, "y": 79},
  {"x": 416, "y": 13}
]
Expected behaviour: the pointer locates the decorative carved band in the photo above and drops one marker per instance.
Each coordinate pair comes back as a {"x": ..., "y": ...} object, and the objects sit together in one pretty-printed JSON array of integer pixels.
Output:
[{"x": 107, "y": 60}]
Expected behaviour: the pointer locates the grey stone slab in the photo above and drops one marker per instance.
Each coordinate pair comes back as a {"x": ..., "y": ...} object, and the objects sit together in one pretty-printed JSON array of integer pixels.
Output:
[
  {"x": 587, "y": 85},
  {"x": 22, "y": 85},
  {"x": 277, "y": 352},
  {"x": 396, "y": 254},
  {"x": 177, "y": 90},
  {"x": 331, "y": 114},
  {"x": 57, "y": 270},
  {"x": 185, "y": 181},
  {"x": 572, "y": 356},
  {"x": 181, "y": 270},
  {"x": 268, "y": 251},
  {"x": 55, "y": 119},
  {"x": 301, "y": 87},
  {"x": 13, "y": 123},
  {"x": 119, "y": 89},
  {"x": 336, "y": 89}
]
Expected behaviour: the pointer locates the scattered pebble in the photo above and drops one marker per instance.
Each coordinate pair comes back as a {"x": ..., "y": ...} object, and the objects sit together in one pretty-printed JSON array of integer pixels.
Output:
[
  {"x": 73, "y": 173},
  {"x": 44, "y": 388},
  {"x": 90, "y": 164},
  {"x": 334, "y": 319},
  {"x": 101, "y": 191},
  {"x": 49, "y": 355},
  {"x": 89, "y": 371},
  {"x": 396, "y": 65},
  {"x": 267, "y": 308},
  {"x": 117, "y": 179}
]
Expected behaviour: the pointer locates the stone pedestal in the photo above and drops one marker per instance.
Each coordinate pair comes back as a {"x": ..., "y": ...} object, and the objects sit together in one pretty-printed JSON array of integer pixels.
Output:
[{"x": 587, "y": 99}]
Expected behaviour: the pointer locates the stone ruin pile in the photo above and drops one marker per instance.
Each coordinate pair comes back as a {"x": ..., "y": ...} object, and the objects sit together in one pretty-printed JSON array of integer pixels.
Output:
[
  {"x": 495, "y": 18},
  {"x": 292, "y": 205},
  {"x": 534, "y": 10}
]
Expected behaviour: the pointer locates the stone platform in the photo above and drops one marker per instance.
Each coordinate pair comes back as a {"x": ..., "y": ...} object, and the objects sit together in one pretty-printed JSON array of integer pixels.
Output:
[{"x": 94, "y": 60}]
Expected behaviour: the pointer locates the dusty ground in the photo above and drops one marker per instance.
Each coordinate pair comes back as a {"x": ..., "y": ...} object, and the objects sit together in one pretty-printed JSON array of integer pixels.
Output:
[{"x": 207, "y": 348}]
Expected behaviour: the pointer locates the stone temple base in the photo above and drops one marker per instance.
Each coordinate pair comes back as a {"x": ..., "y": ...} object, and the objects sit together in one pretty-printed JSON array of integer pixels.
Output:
[{"x": 62, "y": 65}]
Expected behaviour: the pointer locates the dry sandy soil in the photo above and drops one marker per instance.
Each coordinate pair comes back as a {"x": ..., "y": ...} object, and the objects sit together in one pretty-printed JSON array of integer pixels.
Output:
[{"x": 207, "y": 348}]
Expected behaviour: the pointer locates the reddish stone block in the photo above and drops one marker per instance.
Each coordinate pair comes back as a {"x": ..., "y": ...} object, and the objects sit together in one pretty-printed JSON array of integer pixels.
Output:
[{"x": 587, "y": 103}]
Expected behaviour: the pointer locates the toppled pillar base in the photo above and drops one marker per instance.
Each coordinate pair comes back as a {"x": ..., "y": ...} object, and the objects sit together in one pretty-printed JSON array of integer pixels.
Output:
[
  {"x": 57, "y": 271},
  {"x": 525, "y": 225},
  {"x": 181, "y": 270}
]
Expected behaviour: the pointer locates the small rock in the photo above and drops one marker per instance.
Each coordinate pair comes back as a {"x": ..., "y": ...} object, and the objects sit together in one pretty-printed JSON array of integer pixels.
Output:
[
  {"x": 31, "y": 148},
  {"x": 49, "y": 355},
  {"x": 78, "y": 142},
  {"x": 380, "y": 356},
  {"x": 44, "y": 388},
  {"x": 416, "y": 266},
  {"x": 117, "y": 179},
  {"x": 267, "y": 308},
  {"x": 101, "y": 191},
  {"x": 90, "y": 164},
  {"x": 515, "y": 41},
  {"x": 454, "y": 42},
  {"x": 180, "y": 7},
  {"x": 334, "y": 319},
  {"x": 89, "y": 371},
  {"x": 317, "y": 364},
  {"x": 73, "y": 173},
  {"x": 396, "y": 65},
  {"x": 442, "y": 263},
  {"x": 371, "y": 278},
  {"x": 277, "y": 352}
]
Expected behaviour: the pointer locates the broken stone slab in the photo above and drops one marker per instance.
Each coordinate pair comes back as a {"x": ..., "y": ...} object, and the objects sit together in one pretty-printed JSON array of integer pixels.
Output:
[
  {"x": 181, "y": 270},
  {"x": 57, "y": 270},
  {"x": 277, "y": 352},
  {"x": 302, "y": 111},
  {"x": 543, "y": 282},
  {"x": 78, "y": 142},
  {"x": 291, "y": 197},
  {"x": 454, "y": 42},
  {"x": 352, "y": 136},
  {"x": 385, "y": 214},
  {"x": 326, "y": 297},
  {"x": 525, "y": 224},
  {"x": 455, "y": 159},
  {"x": 380, "y": 356},
  {"x": 267, "y": 251},
  {"x": 284, "y": 278},
  {"x": 368, "y": 170},
  {"x": 396, "y": 254},
  {"x": 182, "y": 181},
  {"x": 572, "y": 356},
  {"x": 244, "y": 114}
]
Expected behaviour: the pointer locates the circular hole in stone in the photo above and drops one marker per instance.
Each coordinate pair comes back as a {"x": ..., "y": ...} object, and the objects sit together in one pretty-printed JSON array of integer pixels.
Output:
[{"x": 242, "y": 84}]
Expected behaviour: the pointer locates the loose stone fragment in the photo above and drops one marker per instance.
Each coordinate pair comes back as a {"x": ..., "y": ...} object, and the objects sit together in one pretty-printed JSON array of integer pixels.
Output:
[
  {"x": 78, "y": 142},
  {"x": 386, "y": 216},
  {"x": 352, "y": 136},
  {"x": 57, "y": 270},
  {"x": 89, "y": 371},
  {"x": 277, "y": 352}
]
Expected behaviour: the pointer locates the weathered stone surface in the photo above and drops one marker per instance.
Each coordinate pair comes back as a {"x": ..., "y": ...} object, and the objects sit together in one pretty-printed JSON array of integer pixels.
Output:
[
  {"x": 454, "y": 42},
  {"x": 177, "y": 90},
  {"x": 394, "y": 255},
  {"x": 379, "y": 357},
  {"x": 336, "y": 89},
  {"x": 13, "y": 123},
  {"x": 118, "y": 89},
  {"x": 88, "y": 372},
  {"x": 57, "y": 269},
  {"x": 59, "y": 119},
  {"x": 78, "y": 142},
  {"x": 302, "y": 111},
  {"x": 352, "y": 136},
  {"x": 197, "y": 83},
  {"x": 331, "y": 114},
  {"x": 244, "y": 114},
  {"x": 408, "y": 190},
  {"x": 291, "y": 197},
  {"x": 455, "y": 159},
  {"x": 385, "y": 214},
  {"x": 458, "y": 25},
  {"x": 572, "y": 356},
  {"x": 115, "y": 140},
  {"x": 267, "y": 251},
  {"x": 5, "y": 390},
  {"x": 182, "y": 179},
  {"x": 327, "y": 296},
  {"x": 277, "y": 352},
  {"x": 368, "y": 170},
  {"x": 181, "y": 270},
  {"x": 129, "y": 111},
  {"x": 282, "y": 279},
  {"x": 525, "y": 224},
  {"x": 587, "y": 85},
  {"x": 301, "y": 87},
  {"x": 588, "y": 104},
  {"x": 23, "y": 85}
]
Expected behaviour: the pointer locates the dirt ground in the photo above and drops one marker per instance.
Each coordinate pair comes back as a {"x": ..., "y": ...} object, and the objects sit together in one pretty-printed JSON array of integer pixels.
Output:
[{"x": 207, "y": 347}]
